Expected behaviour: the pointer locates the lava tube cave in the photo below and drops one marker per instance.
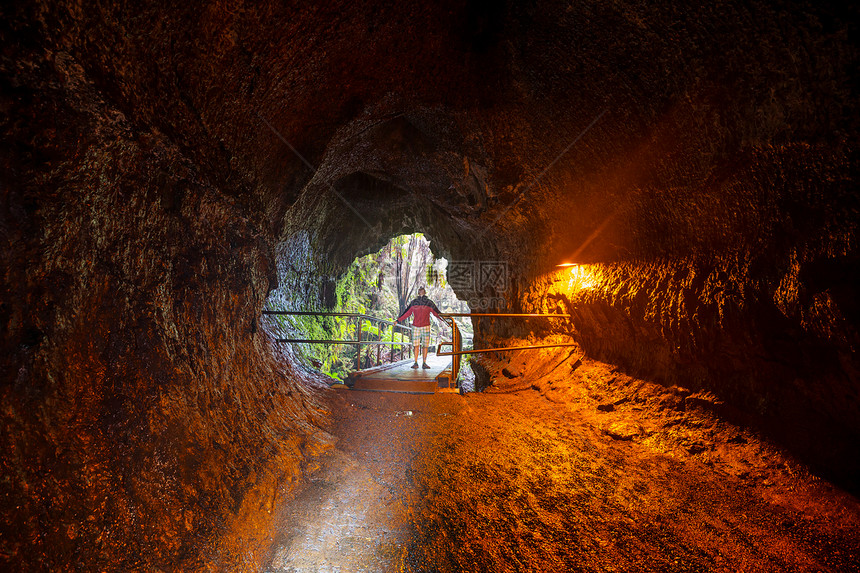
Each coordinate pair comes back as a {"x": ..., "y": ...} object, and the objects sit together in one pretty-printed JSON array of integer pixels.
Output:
[{"x": 676, "y": 183}]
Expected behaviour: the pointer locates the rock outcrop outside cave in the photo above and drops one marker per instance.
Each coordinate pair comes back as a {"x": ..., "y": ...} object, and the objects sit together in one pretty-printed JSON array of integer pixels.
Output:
[{"x": 699, "y": 162}]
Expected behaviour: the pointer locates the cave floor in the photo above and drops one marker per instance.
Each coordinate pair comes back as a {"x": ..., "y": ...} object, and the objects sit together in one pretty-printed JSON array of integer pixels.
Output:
[{"x": 531, "y": 476}]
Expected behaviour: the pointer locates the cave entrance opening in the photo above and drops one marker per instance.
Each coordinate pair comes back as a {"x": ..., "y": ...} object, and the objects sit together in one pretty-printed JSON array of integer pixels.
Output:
[{"x": 382, "y": 285}]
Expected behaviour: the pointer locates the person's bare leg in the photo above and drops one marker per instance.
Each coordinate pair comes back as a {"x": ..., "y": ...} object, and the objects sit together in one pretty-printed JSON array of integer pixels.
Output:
[
  {"x": 425, "y": 356},
  {"x": 415, "y": 353}
]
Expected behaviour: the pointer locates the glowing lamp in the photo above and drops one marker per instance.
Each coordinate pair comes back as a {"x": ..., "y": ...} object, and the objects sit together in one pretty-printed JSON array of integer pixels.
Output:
[{"x": 581, "y": 278}]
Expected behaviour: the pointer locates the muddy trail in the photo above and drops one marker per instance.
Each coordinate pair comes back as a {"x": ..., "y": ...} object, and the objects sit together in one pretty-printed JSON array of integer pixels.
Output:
[{"x": 566, "y": 467}]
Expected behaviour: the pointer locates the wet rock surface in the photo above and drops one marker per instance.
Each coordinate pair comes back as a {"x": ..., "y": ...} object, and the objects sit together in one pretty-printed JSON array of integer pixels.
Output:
[
  {"x": 528, "y": 480},
  {"x": 719, "y": 334}
]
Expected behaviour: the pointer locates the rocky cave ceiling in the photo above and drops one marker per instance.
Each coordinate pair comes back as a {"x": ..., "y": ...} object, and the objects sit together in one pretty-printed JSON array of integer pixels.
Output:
[{"x": 461, "y": 106}]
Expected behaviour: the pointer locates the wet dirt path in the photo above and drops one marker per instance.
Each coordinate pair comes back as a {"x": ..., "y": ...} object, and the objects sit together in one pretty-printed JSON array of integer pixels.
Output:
[
  {"x": 356, "y": 511},
  {"x": 533, "y": 476}
]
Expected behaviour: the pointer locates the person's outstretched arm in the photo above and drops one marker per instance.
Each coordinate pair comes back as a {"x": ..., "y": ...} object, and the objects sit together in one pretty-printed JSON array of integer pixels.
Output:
[
  {"x": 405, "y": 314},
  {"x": 435, "y": 310}
]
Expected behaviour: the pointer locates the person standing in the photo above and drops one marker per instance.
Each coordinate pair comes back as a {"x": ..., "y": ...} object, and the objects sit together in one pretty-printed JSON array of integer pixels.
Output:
[{"x": 420, "y": 309}]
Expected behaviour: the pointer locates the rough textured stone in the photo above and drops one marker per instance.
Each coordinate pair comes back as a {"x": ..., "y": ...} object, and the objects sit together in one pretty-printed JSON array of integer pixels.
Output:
[
  {"x": 622, "y": 430},
  {"x": 147, "y": 422}
]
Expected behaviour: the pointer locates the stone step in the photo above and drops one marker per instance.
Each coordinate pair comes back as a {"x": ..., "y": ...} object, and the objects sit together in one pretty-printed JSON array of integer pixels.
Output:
[
  {"x": 408, "y": 386},
  {"x": 401, "y": 377}
]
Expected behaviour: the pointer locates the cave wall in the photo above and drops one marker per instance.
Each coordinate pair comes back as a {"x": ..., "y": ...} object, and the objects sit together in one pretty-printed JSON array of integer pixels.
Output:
[
  {"x": 147, "y": 420},
  {"x": 719, "y": 325},
  {"x": 147, "y": 423},
  {"x": 738, "y": 278},
  {"x": 722, "y": 247}
]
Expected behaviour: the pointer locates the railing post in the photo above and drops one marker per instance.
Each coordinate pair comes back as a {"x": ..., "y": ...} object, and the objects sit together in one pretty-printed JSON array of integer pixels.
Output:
[
  {"x": 455, "y": 364},
  {"x": 358, "y": 321},
  {"x": 378, "y": 346}
]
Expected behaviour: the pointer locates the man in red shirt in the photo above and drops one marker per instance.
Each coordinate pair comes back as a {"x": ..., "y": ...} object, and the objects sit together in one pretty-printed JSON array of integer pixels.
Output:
[{"x": 420, "y": 309}]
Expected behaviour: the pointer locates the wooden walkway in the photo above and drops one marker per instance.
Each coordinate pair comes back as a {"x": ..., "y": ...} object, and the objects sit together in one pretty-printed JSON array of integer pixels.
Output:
[{"x": 401, "y": 377}]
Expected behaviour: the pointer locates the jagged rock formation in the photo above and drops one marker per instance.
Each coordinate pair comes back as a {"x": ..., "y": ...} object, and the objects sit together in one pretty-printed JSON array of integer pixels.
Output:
[{"x": 156, "y": 158}]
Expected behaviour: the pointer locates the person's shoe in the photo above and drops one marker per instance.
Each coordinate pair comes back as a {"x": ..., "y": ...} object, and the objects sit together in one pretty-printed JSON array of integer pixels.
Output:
[
  {"x": 426, "y": 366},
  {"x": 415, "y": 365}
]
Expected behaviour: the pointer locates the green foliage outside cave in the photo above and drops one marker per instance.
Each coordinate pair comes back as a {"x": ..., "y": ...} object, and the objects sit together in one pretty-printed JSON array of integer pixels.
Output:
[{"x": 379, "y": 285}]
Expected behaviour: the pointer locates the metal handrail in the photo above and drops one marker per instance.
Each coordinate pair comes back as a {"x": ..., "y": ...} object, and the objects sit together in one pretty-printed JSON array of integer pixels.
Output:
[
  {"x": 507, "y": 315},
  {"x": 358, "y": 341},
  {"x": 484, "y": 350},
  {"x": 346, "y": 314},
  {"x": 456, "y": 342},
  {"x": 361, "y": 343}
]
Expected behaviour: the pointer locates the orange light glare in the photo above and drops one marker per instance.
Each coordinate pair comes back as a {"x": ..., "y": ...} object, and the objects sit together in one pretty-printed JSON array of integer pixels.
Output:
[{"x": 580, "y": 278}]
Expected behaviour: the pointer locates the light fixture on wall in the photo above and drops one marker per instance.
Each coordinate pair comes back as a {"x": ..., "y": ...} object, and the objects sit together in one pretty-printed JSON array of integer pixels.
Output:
[{"x": 580, "y": 277}]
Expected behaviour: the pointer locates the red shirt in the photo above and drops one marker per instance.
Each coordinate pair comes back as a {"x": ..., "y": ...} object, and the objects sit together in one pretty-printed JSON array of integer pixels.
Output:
[{"x": 420, "y": 309}]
